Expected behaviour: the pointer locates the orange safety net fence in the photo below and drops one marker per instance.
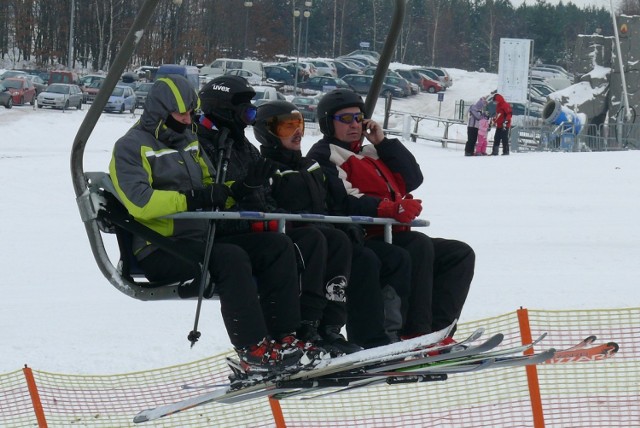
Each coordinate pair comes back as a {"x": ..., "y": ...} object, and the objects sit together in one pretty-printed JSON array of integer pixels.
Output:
[{"x": 584, "y": 394}]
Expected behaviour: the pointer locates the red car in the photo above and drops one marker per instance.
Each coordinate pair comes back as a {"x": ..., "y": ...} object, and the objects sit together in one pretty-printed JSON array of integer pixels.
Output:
[
  {"x": 22, "y": 91},
  {"x": 429, "y": 85}
]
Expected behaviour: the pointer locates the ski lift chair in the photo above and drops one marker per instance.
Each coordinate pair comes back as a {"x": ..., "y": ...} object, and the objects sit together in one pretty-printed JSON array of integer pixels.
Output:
[
  {"x": 103, "y": 209},
  {"x": 102, "y": 212}
]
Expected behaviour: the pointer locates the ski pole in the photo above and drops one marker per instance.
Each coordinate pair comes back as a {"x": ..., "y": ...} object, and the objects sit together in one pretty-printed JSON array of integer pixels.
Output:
[{"x": 224, "y": 145}]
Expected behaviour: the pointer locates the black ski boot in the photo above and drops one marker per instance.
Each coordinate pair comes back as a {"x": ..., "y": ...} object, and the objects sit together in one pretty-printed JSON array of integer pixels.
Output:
[{"x": 335, "y": 343}]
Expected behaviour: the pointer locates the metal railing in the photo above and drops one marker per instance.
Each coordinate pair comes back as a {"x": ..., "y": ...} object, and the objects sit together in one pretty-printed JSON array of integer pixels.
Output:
[{"x": 563, "y": 138}]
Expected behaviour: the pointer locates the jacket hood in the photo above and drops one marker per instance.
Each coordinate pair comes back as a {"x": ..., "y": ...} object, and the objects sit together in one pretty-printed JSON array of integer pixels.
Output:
[
  {"x": 167, "y": 95},
  {"x": 498, "y": 98}
]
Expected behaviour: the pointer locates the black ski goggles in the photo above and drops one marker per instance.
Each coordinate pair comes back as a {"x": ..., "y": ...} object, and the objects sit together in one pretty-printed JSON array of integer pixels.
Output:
[
  {"x": 285, "y": 125},
  {"x": 348, "y": 118}
]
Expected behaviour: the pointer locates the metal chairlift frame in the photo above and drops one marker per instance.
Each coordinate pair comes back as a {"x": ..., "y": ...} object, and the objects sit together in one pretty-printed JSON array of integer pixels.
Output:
[{"x": 90, "y": 187}]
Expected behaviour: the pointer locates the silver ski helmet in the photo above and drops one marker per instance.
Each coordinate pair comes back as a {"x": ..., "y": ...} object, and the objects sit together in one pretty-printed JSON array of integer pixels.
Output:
[
  {"x": 270, "y": 116},
  {"x": 227, "y": 99},
  {"x": 333, "y": 101}
]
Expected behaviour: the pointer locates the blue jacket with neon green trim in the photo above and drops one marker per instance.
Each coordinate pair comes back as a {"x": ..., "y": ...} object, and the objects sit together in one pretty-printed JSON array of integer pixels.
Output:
[{"x": 152, "y": 165}]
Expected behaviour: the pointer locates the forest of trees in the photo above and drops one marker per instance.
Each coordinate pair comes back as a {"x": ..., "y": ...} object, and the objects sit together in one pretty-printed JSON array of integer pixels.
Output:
[{"x": 449, "y": 33}]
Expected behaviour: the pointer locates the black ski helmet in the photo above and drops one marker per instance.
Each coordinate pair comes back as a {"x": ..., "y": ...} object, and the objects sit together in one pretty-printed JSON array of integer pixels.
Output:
[
  {"x": 221, "y": 98},
  {"x": 263, "y": 126},
  {"x": 333, "y": 101}
]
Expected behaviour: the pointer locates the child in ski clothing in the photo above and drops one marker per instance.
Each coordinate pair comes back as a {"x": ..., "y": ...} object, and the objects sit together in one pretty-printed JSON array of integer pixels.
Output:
[
  {"x": 483, "y": 130},
  {"x": 158, "y": 169},
  {"x": 299, "y": 187},
  {"x": 376, "y": 180}
]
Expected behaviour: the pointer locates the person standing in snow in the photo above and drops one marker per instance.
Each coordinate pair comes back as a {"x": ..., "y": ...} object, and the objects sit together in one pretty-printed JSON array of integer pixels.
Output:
[
  {"x": 502, "y": 120},
  {"x": 483, "y": 131},
  {"x": 376, "y": 180},
  {"x": 475, "y": 115},
  {"x": 158, "y": 168}
]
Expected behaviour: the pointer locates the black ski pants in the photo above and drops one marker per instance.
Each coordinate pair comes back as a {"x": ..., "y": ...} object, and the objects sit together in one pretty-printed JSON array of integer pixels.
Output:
[
  {"x": 501, "y": 136},
  {"x": 326, "y": 254},
  {"x": 255, "y": 276},
  {"x": 472, "y": 139},
  {"x": 441, "y": 274},
  {"x": 376, "y": 265}
]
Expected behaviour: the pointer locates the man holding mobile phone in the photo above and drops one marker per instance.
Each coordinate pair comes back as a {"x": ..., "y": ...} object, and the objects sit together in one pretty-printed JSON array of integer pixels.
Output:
[{"x": 376, "y": 180}]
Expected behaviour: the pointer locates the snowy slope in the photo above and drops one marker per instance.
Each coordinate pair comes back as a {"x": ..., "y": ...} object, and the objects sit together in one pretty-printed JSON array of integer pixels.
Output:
[{"x": 551, "y": 231}]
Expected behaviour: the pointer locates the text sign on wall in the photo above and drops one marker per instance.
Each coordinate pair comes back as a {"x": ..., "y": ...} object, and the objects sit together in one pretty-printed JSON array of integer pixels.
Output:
[{"x": 513, "y": 69}]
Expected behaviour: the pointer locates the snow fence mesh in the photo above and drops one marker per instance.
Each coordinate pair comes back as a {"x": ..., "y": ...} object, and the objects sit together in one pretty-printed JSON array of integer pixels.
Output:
[{"x": 588, "y": 394}]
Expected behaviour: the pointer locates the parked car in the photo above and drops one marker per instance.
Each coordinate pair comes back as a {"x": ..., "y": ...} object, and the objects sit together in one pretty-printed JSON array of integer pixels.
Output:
[
  {"x": 324, "y": 68},
  {"x": 342, "y": 68},
  {"x": 323, "y": 83},
  {"x": 141, "y": 93},
  {"x": 64, "y": 77},
  {"x": 308, "y": 106},
  {"x": 443, "y": 76},
  {"x": 5, "y": 97},
  {"x": 373, "y": 54},
  {"x": 122, "y": 98},
  {"x": 61, "y": 95},
  {"x": 401, "y": 83},
  {"x": 371, "y": 70},
  {"x": 12, "y": 73},
  {"x": 429, "y": 85},
  {"x": 21, "y": 90},
  {"x": 90, "y": 91},
  {"x": 278, "y": 74},
  {"x": 429, "y": 73},
  {"x": 37, "y": 83},
  {"x": 361, "y": 84},
  {"x": 89, "y": 79},
  {"x": 309, "y": 68},
  {"x": 266, "y": 93},
  {"x": 291, "y": 68},
  {"x": 250, "y": 76}
]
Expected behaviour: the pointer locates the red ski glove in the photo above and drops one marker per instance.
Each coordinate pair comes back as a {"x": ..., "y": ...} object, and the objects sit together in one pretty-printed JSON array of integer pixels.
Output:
[{"x": 404, "y": 210}]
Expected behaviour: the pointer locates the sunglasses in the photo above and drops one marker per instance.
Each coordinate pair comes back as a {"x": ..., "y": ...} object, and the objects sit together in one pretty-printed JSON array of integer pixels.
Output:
[
  {"x": 285, "y": 125},
  {"x": 247, "y": 113},
  {"x": 348, "y": 118}
]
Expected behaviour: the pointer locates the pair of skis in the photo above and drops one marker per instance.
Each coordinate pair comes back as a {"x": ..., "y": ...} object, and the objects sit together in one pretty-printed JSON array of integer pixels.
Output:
[{"x": 415, "y": 360}]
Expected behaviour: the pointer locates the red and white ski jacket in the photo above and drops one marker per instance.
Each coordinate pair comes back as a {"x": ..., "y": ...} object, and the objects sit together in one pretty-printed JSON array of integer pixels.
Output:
[{"x": 358, "y": 181}]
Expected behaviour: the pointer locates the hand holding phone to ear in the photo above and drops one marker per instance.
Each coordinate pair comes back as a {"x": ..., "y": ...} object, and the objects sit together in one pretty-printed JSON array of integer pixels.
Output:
[{"x": 372, "y": 131}]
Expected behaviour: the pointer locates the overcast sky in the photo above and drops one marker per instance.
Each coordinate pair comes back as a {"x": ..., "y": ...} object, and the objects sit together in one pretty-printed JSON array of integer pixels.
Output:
[{"x": 579, "y": 3}]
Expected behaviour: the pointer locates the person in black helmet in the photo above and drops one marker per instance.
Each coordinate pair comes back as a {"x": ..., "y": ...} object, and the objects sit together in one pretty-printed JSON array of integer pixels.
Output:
[
  {"x": 376, "y": 180},
  {"x": 226, "y": 109},
  {"x": 158, "y": 169},
  {"x": 299, "y": 187}
]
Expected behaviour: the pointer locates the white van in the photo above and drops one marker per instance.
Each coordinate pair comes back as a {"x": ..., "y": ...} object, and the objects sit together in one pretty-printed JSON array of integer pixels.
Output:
[{"x": 221, "y": 65}]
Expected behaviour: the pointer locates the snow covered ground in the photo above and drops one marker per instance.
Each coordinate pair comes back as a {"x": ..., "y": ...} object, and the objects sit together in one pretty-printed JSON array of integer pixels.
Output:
[{"x": 551, "y": 231}]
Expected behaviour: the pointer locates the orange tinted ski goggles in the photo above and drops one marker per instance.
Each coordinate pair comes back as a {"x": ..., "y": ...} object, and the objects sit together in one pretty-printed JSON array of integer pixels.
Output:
[{"x": 285, "y": 125}]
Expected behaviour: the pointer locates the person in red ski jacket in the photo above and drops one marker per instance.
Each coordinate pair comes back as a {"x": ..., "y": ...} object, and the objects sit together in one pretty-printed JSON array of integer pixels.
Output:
[
  {"x": 376, "y": 180},
  {"x": 502, "y": 120}
]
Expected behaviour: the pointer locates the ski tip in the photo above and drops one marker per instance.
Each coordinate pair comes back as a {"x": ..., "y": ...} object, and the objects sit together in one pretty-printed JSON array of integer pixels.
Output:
[{"x": 140, "y": 417}]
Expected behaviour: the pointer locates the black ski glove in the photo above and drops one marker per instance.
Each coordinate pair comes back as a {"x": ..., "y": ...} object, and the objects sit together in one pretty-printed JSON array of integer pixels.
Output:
[
  {"x": 258, "y": 175},
  {"x": 213, "y": 196}
]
